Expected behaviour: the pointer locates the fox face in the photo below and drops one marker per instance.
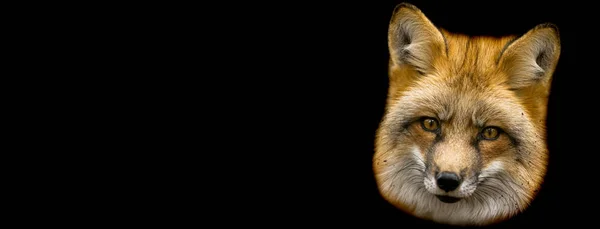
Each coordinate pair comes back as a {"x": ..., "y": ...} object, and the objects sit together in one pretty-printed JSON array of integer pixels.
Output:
[{"x": 463, "y": 138}]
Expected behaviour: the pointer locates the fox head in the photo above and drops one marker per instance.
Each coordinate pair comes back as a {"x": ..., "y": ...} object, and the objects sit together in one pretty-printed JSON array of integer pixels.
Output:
[{"x": 463, "y": 137}]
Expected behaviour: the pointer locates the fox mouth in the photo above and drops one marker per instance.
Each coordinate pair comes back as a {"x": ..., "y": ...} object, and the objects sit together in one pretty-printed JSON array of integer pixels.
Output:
[{"x": 448, "y": 199}]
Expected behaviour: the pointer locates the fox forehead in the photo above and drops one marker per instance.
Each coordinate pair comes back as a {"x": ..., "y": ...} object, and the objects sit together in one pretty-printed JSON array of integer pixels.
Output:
[
  {"x": 465, "y": 86},
  {"x": 473, "y": 56}
]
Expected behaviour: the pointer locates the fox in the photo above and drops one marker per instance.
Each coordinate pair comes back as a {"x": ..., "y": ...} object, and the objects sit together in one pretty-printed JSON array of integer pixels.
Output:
[{"x": 462, "y": 140}]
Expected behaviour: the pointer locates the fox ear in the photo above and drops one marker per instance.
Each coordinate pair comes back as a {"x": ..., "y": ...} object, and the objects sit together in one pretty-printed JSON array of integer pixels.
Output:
[
  {"x": 531, "y": 58},
  {"x": 412, "y": 39}
]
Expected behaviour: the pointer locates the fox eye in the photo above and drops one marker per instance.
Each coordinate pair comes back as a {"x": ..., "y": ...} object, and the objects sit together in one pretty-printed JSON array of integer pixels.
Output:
[
  {"x": 430, "y": 124},
  {"x": 490, "y": 133}
]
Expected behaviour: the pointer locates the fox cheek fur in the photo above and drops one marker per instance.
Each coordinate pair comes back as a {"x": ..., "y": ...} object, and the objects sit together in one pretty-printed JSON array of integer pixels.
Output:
[{"x": 462, "y": 140}]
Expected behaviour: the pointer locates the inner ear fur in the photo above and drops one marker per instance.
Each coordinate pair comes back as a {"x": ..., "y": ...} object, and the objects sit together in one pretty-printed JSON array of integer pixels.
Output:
[
  {"x": 532, "y": 58},
  {"x": 413, "y": 40}
]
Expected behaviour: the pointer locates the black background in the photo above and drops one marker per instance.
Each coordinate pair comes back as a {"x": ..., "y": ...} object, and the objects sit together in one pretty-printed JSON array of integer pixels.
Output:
[{"x": 307, "y": 84}]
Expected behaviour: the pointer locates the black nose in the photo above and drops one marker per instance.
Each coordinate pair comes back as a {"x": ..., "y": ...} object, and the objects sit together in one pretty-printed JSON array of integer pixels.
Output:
[{"x": 447, "y": 181}]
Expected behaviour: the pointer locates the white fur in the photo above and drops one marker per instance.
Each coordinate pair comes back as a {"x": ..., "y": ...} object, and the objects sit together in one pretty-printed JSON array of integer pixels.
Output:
[{"x": 491, "y": 196}]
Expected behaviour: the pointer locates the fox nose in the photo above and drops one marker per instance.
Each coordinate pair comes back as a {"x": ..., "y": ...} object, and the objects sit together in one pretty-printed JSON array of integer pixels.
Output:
[{"x": 447, "y": 181}]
